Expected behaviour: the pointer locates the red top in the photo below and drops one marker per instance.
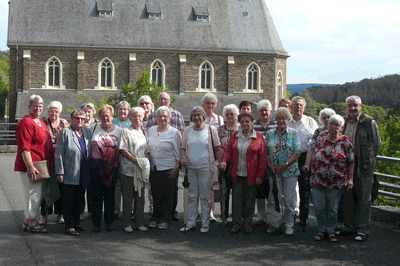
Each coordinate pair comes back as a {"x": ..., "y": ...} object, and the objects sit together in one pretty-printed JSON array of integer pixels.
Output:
[
  {"x": 255, "y": 157},
  {"x": 33, "y": 138}
]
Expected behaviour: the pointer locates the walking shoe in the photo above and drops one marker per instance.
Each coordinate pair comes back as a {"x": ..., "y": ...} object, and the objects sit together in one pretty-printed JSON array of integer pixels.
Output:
[
  {"x": 271, "y": 229},
  {"x": 163, "y": 226},
  {"x": 235, "y": 230},
  {"x": 204, "y": 229},
  {"x": 60, "y": 219},
  {"x": 289, "y": 231},
  {"x": 128, "y": 229},
  {"x": 188, "y": 228},
  {"x": 142, "y": 228},
  {"x": 248, "y": 230},
  {"x": 175, "y": 217},
  {"x": 42, "y": 219},
  {"x": 109, "y": 228},
  {"x": 153, "y": 224}
]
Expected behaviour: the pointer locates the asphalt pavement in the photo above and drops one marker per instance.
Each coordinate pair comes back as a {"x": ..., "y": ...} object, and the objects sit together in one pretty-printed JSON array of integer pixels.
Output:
[{"x": 171, "y": 247}]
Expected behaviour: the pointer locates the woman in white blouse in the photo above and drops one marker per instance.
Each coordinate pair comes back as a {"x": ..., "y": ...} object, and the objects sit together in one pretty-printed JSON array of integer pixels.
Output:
[
  {"x": 164, "y": 144},
  {"x": 199, "y": 144}
]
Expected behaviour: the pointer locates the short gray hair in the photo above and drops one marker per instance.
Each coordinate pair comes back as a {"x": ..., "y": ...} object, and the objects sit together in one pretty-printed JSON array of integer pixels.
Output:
[
  {"x": 135, "y": 110},
  {"x": 282, "y": 111},
  {"x": 162, "y": 109},
  {"x": 230, "y": 107},
  {"x": 198, "y": 109},
  {"x": 264, "y": 104},
  {"x": 338, "y": 119},
  {"x": 295, "y": 99},
  {"x": 35, "y": 98},
  {"x": 209, "y": 96},
  {"x": 353, "y": 97},
  {"x": 89, "y": 105},
  {"x": 124, "y": 104},
  {"x": 159, "y": 95},
  {"x": 77, "y": 111},
  {"x": 56, "y": 104},
  {"x": 146, "y": 98},
  {"x": 327, "y": 112}
]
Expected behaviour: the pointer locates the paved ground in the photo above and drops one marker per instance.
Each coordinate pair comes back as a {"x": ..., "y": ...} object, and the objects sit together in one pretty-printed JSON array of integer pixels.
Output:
[{"x": 170, "y": 247}]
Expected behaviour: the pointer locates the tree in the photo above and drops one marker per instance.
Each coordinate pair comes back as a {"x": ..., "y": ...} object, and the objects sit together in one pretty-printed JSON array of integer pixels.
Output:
[{"x": 4, "y": 79}]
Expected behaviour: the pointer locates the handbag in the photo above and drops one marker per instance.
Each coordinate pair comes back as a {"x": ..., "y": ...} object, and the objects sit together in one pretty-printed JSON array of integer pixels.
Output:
[
  {"x": 41, "y": 166},
  {"x": 273, "y": 217}
]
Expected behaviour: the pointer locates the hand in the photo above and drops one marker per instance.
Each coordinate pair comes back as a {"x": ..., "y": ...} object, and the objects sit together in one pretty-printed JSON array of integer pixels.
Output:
[
  {"x": 222, "y": 166},
  {"x": 258, "y": 181},
  {"x": 306, "y": 168},
  {"x": 184, "y": 164},
  {"x": 32, "y": 172},
  {"x": 280, "y": 168},
  {"x": 174, "y": 172},
  {"x": 60, "y": 178},
  {"x": 350, "y": 184}
]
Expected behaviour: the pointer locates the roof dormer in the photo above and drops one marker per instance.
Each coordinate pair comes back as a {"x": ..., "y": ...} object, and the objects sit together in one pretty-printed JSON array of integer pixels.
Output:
[{"x": 105, "y": 8}]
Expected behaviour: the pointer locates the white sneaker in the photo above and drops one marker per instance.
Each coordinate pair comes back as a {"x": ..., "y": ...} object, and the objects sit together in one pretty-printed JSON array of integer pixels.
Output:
[
  {"x": 128, "y": 229},
  {"x": 42, "y": 220},
  {"x": 289, "y": 231},
  {"x": 142, "y": 228},
  {"x": 153, "y": 224},
  {"x": 271, "y": 230},
  {"x": 60, "y": 219},
  {"x": 188, "y": 228},
  {"x": 163, "y": 226},
  {"x": 204, "y": 229}
]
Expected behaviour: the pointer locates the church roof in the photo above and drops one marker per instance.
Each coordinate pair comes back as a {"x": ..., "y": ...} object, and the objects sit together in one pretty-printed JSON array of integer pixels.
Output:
[{"x": 243, "y": 26}]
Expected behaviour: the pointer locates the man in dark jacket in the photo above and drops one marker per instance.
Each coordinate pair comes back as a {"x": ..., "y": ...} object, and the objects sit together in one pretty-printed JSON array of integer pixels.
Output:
[{"x": 355, "y": 206}]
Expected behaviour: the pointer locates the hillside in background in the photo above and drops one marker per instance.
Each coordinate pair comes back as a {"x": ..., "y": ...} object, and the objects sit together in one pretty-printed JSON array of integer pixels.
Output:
[
  {"x": 298, "y": 88},
  {"x": 383, "y": 91}
]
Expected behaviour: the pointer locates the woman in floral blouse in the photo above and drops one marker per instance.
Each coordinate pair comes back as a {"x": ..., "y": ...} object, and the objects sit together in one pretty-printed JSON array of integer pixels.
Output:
[
  {"x": 331, "y": 172},
  {"x": 283, "y": 148}
]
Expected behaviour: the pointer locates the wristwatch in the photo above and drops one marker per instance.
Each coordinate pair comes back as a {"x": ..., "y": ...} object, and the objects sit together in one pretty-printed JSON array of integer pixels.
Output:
[{"x": 287, "y": 163}]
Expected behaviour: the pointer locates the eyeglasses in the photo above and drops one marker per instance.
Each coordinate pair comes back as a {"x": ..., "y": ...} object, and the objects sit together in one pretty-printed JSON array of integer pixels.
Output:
[
  {"x": 144, "y": 103},
  {"x": 80, "y": 118}
]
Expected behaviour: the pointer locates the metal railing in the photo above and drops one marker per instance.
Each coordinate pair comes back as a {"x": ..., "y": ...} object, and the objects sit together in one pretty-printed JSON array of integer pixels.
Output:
[
  {"x": 7, "y": 133},
  {"x": 390, "y": 177}
]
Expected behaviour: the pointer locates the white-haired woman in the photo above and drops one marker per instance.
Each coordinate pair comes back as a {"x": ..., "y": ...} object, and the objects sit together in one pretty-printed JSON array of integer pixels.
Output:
[
  {"x": 148, "y": 106},
  {"x": 230, "y": 113},
  {"x": 209, "y": 102},
  {"x": 34, "y": 144},
  {"x": 262, "y": 125},
  {"x": 90, "y": 111},
  {"x": 164, "y": 143},
  {"x": 54, "y": 124},
  {"x": 134, "y": 169},
  {"x": 283, "y": 149},
  {"x": 331, "y": 172},
  {"x": 200, "y": 146}
]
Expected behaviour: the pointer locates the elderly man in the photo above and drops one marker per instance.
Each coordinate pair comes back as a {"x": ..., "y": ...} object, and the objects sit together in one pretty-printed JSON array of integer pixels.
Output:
[
  {"x": 177, "y": 122},
  {"x": 306, "y": 126},
  {"x": 355, "y": 206}
]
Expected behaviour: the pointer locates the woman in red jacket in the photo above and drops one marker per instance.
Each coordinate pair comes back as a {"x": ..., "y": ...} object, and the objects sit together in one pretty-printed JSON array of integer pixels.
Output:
[{"x": 247, "y": 150}]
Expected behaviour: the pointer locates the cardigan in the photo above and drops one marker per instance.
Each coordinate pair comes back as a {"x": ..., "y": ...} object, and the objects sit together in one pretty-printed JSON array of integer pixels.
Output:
[{"x": 256, "y": 158}]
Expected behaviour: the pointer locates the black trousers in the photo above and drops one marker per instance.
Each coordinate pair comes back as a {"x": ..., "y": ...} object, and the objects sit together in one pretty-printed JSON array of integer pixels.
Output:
[
  {"x": 162, "y": 190},
  {"x": 305, "y": 189},
  {"x": 175, "y": 196},
  {"x": 72, "y": 201},
  {"x": 102, "y": 194}
]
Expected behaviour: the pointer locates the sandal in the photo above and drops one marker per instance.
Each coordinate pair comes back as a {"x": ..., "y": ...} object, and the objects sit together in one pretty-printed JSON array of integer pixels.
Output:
[
  {"x": 37, "y": 229},
  {"x": 25, "y": 227},
  {"x": 342, "y": 232},
  {"x": 320, "y": 236},
  {"x": 361, "y": 237},
  {"x": 333, "y": 238}
]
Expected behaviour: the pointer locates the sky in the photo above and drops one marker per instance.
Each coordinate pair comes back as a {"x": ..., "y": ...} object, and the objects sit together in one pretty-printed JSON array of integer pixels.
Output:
[{"x": 328, "y": 42}]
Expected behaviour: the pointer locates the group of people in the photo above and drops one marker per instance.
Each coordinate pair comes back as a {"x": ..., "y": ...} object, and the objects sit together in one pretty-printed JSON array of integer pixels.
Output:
[{"x": 275, "y": 162}]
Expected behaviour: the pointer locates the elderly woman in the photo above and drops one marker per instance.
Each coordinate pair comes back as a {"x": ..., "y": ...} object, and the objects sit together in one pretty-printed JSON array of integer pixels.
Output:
[
  {"x": 245, "y": 155},
  {"x": 105, "y": 140},
  {"x": 134, "y": 169},
  {"x": 72, "y": 150},
  {"x": 34, "y": 145},
  {"x": 209, "y": 102},
  {"x": 90, "y": 111},
  {"x": 201, "y": 149},
  {"x": 331, "y": 172},
  {"x": 283, "y": 149},
  {"x": 262, "y": 125},
  {"x": 283, "y": 102},
  {"x": 148, "y": 106},
  {"x": 164, "y": 143},
  {"x": 121, "y": 121},
  {"x": 54, "y": 124},
  {"x": 230, "y": 113}
]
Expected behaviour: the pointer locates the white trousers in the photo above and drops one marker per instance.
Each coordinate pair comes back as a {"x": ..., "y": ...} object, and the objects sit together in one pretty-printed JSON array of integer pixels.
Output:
[
  {"x": 200, "y": 187},
  {"x": 33, "y": 193}
]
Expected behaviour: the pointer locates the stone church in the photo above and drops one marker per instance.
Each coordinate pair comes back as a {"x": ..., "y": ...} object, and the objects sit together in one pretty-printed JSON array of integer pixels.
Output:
[{"x": 228, "y": 47}]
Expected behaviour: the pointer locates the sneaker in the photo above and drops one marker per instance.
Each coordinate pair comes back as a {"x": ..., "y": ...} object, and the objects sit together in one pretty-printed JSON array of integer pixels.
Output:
[
  {"x": 142, "y": 228},
  {"x": 235, "y": 230},
  {"x": 42, "y": 220},
  {"x": 248, "y": 230},
  {"x": 153, "y": 224},
  {"x": 271, "y": 230},
  {"x": 128, "y": 229},
  {"x": 188, "y": 228},
  {"x": 60, "y": 219},
  {"x": 289, "y": 231},
  {"x": 163, "y": 226},
  {"x": 204, "y": 229},
  {"x": 81, "y": 217}
]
